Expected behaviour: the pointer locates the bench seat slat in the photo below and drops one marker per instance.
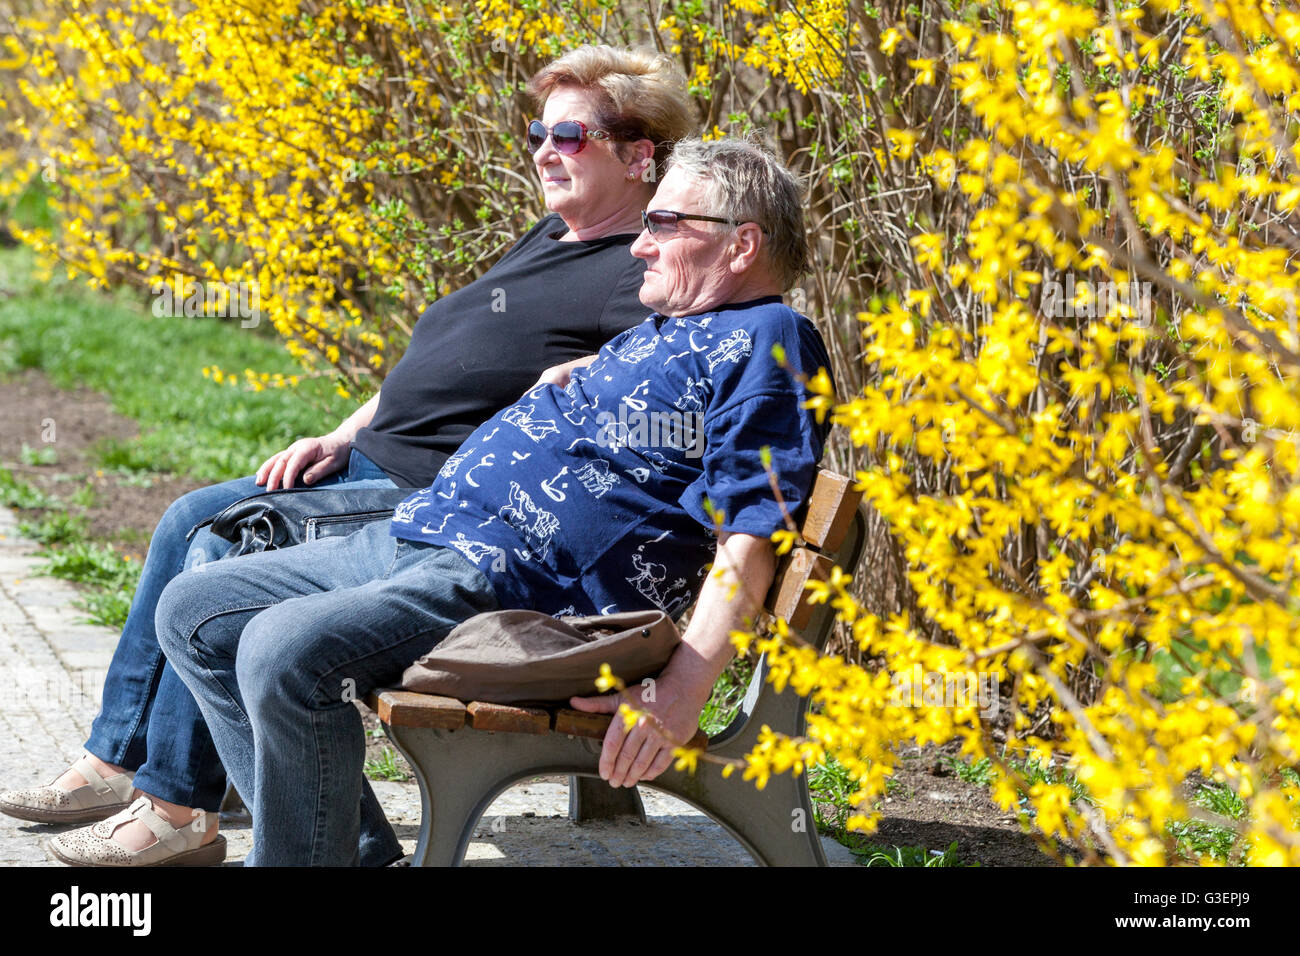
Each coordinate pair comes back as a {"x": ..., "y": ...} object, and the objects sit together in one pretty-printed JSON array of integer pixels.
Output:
[
  {"x": 404, "y": 708},
  {"x": 577, "y": 723},
  {"x": 514, "y": 720}
]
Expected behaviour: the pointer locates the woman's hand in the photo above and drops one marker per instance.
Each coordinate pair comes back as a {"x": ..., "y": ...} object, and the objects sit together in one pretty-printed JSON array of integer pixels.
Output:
[
  {"x": 319, "y": 456},
  {"x": 559, "y": 374}
]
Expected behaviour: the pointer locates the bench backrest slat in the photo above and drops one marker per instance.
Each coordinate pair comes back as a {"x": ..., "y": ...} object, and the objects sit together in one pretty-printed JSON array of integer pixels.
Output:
[
  {"x": 831, "y": 507},
  {"x": 788, "y": 598}
]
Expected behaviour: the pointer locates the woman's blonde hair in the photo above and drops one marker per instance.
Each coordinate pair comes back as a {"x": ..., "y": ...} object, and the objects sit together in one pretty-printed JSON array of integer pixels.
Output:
[{"x": 636, "y": 94}]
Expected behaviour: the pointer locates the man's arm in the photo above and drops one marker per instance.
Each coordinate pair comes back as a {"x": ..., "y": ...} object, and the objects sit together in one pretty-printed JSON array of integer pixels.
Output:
[
  {"x": 321, "y": 456},
  {"x": 742, "y": 572}
]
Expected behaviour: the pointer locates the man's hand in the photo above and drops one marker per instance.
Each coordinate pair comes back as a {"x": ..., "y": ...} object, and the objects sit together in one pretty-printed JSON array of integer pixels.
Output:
[
  {"x": 732, "y": 593},
  {"x": 642, "y": 753},
  {"x": 319, "y": 456}
]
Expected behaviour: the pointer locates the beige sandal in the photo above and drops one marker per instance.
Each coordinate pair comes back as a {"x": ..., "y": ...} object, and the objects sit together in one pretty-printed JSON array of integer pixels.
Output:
[
  {"x": 93, "y": 845},
  {"x": 101, "y": 797}
]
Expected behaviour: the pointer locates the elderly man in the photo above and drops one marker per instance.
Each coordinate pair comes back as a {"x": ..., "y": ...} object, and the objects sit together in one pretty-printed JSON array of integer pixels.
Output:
[{"x": 612, "y": 493}]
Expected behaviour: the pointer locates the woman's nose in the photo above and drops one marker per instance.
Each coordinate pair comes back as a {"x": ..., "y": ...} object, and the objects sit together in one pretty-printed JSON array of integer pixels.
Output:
[{"x": 546, "y": 154}]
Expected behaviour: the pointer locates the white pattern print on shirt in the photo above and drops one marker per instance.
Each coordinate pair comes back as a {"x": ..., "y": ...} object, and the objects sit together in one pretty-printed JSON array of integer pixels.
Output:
[
  {"x": 692, "y": 399},
  {"x": 549, "y": 486},
  {"x": 736, "y": 346},
  {"x": 485, "y": 462},
  {"x": 634, "y": 403},
  {"x": 596, "y": 478},
  {"x": 535, "y": 428},
  {"x": 636, "y": 350},
  {"x": 649, "y": 576},
  {"x": 451, "y": 464},
  {"x": 405, "y": 512},
  {"x": 536, "y": 525},
  {"x": 430, "y": 529},
  {"x": 476, "y": 551},
  {"x": 657, "y": 461}
]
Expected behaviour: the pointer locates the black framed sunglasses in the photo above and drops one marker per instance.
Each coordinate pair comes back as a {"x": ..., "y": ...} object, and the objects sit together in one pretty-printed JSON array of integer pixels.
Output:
[
  {"x": 663, "y": 222},
  {"x": 568, "y": 136}
]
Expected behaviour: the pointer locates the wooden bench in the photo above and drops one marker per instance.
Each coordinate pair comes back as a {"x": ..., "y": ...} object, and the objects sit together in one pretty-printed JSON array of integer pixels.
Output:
[{"x": 466, "y": 753}]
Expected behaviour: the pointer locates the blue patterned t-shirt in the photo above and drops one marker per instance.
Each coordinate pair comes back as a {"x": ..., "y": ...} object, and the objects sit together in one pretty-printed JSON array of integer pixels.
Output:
[{"x": 590, "y": 499}]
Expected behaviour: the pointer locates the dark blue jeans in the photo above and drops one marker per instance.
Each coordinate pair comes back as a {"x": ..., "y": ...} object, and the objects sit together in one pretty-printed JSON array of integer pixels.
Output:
[
  {"x": 148, "y": 721},
  {"x": 276, "y": 646}
]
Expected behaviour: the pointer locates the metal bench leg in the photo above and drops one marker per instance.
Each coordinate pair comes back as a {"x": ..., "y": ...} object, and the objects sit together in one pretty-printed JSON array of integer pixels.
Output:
[
  {"x": 776, "y": 826},
  {"x": 591, "y": 798},
  {"x": 461, "y": 772}
]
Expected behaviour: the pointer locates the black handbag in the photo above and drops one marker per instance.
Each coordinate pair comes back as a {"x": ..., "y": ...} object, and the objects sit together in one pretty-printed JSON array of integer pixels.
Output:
[{"x": 282, "y": 519}]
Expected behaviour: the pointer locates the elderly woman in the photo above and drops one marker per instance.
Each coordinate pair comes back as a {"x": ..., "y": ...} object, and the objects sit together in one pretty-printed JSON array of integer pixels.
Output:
[{"x": 608, "y": 119}]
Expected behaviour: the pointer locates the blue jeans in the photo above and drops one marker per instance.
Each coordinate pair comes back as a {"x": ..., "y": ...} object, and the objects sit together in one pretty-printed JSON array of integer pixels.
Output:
[
  {"x": 276, "y": 646},
  {"x": 148, "y": 721}
]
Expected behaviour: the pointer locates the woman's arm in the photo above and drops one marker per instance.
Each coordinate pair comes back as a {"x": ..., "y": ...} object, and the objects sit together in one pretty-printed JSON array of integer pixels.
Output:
[
  {"x": 321, "y": 456},
  {"x": 559, "y": 374}
]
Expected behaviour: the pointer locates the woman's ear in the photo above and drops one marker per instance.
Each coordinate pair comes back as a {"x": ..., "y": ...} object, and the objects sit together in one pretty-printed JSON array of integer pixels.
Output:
[{"x": 642, "y": 165}]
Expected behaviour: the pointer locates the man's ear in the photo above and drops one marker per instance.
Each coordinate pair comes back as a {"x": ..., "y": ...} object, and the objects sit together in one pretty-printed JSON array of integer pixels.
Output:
[{"x": 746, "y": 245}]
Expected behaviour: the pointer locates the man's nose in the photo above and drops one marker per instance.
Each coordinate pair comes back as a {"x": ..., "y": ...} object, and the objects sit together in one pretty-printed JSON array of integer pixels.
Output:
[{"x": 644, "y": 247}]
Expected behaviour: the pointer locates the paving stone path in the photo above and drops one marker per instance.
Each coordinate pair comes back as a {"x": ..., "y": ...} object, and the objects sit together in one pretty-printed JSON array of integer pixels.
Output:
[{"x": 52, "y": 666}]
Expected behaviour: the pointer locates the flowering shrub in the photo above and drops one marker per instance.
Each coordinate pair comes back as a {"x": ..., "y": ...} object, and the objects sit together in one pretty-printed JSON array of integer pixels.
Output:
[
  {"x": 352, "y": 160},
  {"x": 1091, "y": 485},
  {"x": 1054, "y": 264}
]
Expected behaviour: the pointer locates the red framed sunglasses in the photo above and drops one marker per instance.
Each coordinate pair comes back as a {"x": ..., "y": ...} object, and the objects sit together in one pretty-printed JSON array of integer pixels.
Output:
[{"x": 568, "y": 136}]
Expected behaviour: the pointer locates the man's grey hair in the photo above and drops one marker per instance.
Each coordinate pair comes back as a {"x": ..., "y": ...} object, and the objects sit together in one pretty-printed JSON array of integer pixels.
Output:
[{"x": 744, "y": 181}]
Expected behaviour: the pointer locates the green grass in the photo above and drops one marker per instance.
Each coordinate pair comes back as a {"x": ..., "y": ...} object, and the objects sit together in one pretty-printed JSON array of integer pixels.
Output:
[
  {"x": 31, "y": 209},
  {"x": 152, "y": 369},
  {"x": 830, "y": 784},
  {"x": 1197, "y": 839},
  {"x": 110, "y": 578},
  {"x": 1226, "y": 683},
  {"x": 728, "y": 692},
  {"x": 1194, "y": 839},
  {"x": 386, "y": 767},
  {"x": 44, "y": 455},
  {"x": 54, "y": 527},
  {"x": 980, "y": 772},
  {"x": 110, "y": 605},
  {"x": 132, "y": 459},
  {"x": 16, "y": 493},
  {"x": 909, "y": 856},
  {"x": 1035, "y": 771},
  {"x": 84, "y": 497}
]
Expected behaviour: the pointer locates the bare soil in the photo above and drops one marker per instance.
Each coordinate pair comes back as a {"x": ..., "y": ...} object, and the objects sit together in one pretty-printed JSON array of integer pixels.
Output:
[
  {"x": 126, "y": 507},
  {"x": 927, "y": 807}
]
